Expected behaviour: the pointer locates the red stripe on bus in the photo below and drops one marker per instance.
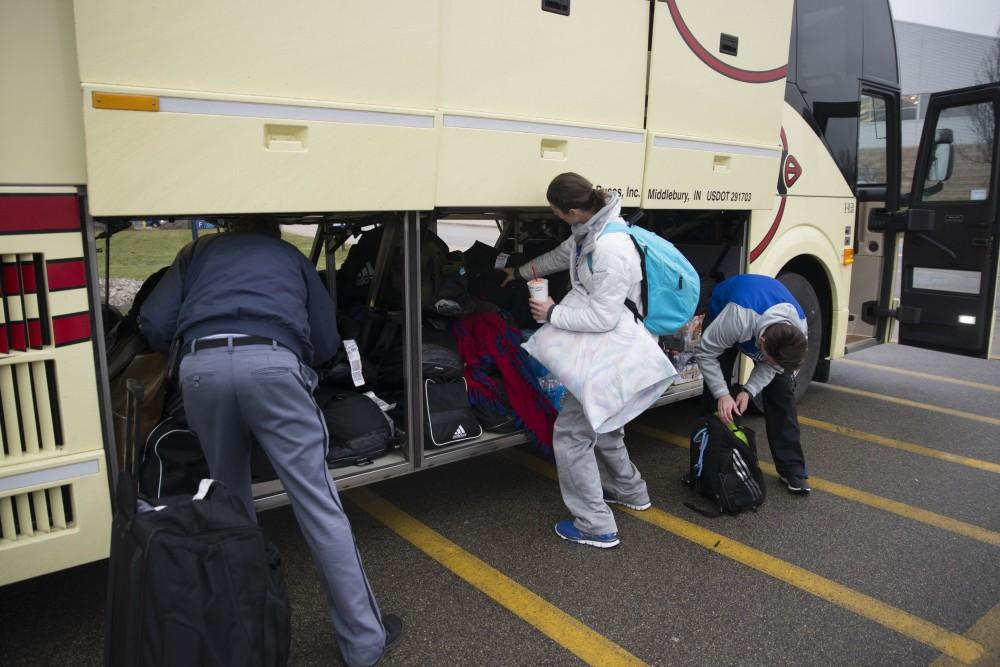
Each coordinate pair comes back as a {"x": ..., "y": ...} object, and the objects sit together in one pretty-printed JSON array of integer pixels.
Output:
[
  {"x": 11, "y": 285},
  {"x": 18, "y": 336},
  {"x": 756, "y": 252},
  {"x": 35, "y": 333},
  {"x": 4, "y": 345},
  {"x": 28, "y": 277},
  {"x": 744, "y": 75},
  {"x": 69, "y": 329},
  {"x": 38, "y": 213},
  {"x": 66, "y": 274}
]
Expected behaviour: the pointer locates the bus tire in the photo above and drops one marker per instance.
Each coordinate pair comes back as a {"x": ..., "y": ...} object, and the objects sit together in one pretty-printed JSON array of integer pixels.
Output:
[{"x": 806, "y": 296}]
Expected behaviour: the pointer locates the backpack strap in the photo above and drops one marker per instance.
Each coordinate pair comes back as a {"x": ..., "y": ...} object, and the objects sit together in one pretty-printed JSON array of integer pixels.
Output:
[
  {"x": 622, "y": 228},
  {"x": 611, "y": 227},
  {"x": 711, "y": 514}
]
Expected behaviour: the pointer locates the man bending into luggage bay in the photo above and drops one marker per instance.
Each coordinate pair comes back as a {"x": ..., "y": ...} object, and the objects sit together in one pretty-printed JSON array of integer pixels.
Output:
[
  {"x": 758, "y": 316},
  {"x": 253, "y": 315}
]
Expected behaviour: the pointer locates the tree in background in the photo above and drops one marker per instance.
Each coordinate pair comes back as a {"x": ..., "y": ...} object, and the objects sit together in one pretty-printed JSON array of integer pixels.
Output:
[{"x": 982, "y": 116}]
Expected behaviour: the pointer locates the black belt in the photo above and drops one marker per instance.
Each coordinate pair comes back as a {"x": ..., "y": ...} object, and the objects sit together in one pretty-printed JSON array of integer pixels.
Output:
[{"x": 206, "y": 343}]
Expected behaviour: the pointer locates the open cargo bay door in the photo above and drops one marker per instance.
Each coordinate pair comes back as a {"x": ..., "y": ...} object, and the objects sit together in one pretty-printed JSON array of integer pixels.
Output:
[{"x": 949, "y": 268}]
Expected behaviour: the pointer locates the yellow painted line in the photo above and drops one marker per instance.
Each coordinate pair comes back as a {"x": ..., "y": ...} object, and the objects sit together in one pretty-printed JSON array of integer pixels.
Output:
[
  {"x": 986, "y": 631},
  {"x": 951, "y": 644},
  {"x": 926, "y": 376},
  {"x": 909, "y": 403},
  {"x": 988, "y": 466},
  {"x": 583, "y": 642},
  {"x": 907, "y": 511}
]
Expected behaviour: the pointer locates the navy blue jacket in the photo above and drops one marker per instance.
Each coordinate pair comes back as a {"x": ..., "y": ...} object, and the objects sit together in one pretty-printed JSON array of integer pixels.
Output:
[{"x": 243, "y": 283}]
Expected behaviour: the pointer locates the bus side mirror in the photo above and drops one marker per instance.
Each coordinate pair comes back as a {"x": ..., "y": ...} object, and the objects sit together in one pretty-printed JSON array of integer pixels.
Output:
[{"x": 942, "y": 156}]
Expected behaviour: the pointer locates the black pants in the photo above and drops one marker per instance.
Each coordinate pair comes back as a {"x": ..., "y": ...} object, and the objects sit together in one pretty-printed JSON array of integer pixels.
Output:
[{"x": 780, "y": 417}]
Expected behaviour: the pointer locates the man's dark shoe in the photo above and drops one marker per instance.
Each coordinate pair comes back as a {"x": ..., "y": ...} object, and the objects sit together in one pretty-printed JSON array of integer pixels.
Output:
[
  {"x": 393, "y": 631},
  {"x": 796, "y": 484}
]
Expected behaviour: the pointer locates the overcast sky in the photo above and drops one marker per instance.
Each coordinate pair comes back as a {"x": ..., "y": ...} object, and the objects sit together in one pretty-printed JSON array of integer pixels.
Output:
[{"x": 978, "y": 16}]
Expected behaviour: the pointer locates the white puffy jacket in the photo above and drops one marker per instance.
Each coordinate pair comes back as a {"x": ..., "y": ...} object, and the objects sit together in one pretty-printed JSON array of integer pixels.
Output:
[
  {"x": 593, "y": 344},
  {"x": 597, "y": 299}
]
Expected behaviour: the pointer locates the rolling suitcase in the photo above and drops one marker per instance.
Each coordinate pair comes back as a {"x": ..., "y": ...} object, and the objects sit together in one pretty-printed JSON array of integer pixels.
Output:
[{"x": 192, "y": 580}]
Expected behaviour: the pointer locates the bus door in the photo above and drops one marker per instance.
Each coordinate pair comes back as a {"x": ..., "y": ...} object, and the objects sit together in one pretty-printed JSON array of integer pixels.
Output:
[{"x": 950, "y": 248}]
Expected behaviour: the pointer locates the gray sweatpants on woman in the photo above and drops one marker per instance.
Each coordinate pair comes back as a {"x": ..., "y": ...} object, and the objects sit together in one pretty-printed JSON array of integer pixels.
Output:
[
  {"x": 586, "y": 461},
  {"x": 231, "y": 392}
]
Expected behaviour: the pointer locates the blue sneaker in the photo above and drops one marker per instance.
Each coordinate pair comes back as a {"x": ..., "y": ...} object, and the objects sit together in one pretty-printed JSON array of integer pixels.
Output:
[
  {"x": 611, "y": 499},
  {"x": 567, "y": 531}
]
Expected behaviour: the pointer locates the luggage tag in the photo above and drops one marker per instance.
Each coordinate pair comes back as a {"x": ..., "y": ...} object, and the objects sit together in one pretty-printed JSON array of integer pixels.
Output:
[{"x": 354, "y": 357}]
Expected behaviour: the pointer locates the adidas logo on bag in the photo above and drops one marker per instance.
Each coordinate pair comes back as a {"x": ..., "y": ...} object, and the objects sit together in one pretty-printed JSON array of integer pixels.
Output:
[
  {"x": 459, "y": 433},
  {"x": 365, "y": 275}
]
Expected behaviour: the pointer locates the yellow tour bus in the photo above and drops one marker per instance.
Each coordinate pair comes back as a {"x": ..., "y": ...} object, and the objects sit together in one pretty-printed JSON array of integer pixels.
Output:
[{"x": 758, "y": 137}]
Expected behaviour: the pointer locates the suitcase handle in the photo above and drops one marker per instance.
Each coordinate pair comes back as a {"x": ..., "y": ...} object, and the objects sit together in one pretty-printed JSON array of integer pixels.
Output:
[
  {"x": 135, "y": 394},
  {"x": 127, "y": 489}
]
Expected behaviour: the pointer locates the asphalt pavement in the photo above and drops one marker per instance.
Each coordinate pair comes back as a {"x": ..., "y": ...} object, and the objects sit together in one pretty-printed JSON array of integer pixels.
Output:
[{"x": 892, "y": 560}]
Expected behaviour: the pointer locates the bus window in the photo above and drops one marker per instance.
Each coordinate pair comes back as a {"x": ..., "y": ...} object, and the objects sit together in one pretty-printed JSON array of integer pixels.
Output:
[
  {"x": 962, "y": 155},
  {"x": 872, "y": 141},
  {"x": 828, "y": 68},
  {"x": 880, "y": 43}
]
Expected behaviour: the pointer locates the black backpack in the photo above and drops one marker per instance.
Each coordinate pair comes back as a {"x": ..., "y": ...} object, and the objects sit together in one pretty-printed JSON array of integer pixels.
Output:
[
  {"x": 724, "y": 468},
  {"x": 359, "y": 431},
  {"x": 194, "y": 582},
  {"x": 192, "y": 579}
]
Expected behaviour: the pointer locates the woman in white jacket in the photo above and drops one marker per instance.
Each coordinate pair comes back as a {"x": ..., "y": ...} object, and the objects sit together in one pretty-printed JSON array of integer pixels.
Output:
[{"x": 594, "y": 468}]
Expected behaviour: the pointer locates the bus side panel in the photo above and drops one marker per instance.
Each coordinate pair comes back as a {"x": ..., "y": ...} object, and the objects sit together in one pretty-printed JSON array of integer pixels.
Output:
[
  {"x": 375, "y": 53},
  {"x": 698, "y": 90},
  {"x": 41, "y": 130},
  {"x": 515, "y": 59},
  {"x": 217, "y": 155},
  {"x": 527, "y": 94},
  {"x": 485, "y": 167},
  {"x": 689, "y": 174},
  {"x": 55, "y": 508},
  {"x": 73, "y": 497},
  {"x": 713, "y": 62},
  {"x": 808, "y": 227}
]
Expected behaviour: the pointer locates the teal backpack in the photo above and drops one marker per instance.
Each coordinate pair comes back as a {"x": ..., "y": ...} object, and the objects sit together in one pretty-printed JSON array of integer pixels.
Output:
[{"x": 670, "y": 285}]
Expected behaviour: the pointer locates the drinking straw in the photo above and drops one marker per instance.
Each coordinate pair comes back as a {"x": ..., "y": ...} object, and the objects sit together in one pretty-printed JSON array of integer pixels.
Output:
[{"x": 533, "y": 272}]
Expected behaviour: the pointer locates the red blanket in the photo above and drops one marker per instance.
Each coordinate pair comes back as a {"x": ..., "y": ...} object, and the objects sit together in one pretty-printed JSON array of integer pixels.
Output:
[{"x": 491, "y": 347}]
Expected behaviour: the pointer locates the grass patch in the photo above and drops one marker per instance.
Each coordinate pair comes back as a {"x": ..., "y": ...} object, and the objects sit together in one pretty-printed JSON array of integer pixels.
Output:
[{"x": 138, "y": 253}]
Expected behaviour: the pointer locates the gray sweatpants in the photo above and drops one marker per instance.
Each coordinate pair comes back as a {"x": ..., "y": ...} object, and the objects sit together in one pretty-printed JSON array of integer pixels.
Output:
[
  {"x": 586, "y": 461},
  {"x": 231, "y": 392}
]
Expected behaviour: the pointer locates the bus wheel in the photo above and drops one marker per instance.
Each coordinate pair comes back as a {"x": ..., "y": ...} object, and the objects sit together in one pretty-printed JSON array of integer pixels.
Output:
[{"x": 806, "y": 296}]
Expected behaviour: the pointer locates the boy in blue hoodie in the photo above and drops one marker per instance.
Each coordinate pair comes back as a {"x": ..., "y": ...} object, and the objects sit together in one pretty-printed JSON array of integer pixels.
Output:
[{"x": 758, "y": 316}]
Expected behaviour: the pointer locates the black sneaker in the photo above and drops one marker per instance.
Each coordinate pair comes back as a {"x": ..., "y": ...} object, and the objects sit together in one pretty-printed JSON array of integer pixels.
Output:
[
  {"x": 393, "y": 631},
  {"x": 796, "y": 484}
]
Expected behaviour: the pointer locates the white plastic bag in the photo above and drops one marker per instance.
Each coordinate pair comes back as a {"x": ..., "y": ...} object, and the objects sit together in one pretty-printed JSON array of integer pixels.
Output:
[{"x": 616, "y": 375}]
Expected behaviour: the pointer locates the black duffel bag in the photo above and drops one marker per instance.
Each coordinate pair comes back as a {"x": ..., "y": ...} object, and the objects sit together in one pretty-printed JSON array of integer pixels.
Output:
[
  {"x": 440, "y": 360},
  {"x": 172, "y": 461},
  {"x": 450, "y": 418},
  {"x": 359, "y": 431}
]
